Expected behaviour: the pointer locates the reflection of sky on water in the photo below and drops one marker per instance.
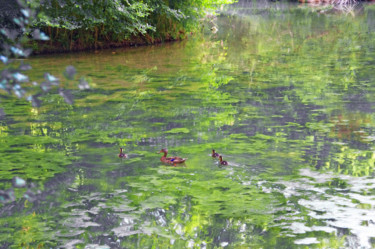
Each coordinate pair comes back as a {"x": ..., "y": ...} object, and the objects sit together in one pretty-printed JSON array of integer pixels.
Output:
[
  {"x": 315, "y": 205},
  {"x": 339, "y": 208}
]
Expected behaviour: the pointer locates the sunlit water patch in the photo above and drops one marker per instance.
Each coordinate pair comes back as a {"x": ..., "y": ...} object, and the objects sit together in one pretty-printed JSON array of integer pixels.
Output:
[{"x": 339, "y": 202}]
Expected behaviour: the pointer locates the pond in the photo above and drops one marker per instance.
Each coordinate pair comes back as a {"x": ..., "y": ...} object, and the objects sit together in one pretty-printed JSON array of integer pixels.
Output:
[{"x": 284, "y": 92}]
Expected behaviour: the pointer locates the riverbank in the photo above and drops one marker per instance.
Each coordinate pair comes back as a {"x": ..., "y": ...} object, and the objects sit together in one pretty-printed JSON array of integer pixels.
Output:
[{"x": 51, "y": 46}]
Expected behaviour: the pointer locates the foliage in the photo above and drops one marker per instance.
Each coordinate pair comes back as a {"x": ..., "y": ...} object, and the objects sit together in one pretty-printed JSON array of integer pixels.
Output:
[
  {"x": 78, "y": 24},
  {"x": 121, "y": 17}
]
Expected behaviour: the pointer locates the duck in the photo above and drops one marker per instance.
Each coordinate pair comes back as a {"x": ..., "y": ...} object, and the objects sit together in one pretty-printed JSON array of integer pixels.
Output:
[
  {"x": 222, "y": 162},
  {"x": 170, "y": 160},
  {"x": 215, "y": 154},
  {"x": 122, "y": 154}
]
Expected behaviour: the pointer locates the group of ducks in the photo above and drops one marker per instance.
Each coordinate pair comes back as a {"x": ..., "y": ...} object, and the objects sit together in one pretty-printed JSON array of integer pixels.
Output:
[
  {"x": 177, "y": 160},
  {"x": 217, "y": 155}
]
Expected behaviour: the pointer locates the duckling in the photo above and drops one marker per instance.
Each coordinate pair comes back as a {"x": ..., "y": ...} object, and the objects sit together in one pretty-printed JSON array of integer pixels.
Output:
[
  {"x": 214, "y": 154},
  {"x": 122, "y": 154},
  {"x": 222, "y": 162}
]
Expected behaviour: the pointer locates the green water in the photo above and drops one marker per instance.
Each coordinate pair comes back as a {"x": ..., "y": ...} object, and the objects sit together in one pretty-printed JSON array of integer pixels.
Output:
[{"x": 285, "y": 94}]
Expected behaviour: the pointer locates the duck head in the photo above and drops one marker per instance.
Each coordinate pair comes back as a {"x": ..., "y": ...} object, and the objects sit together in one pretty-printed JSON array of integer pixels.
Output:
[{"x": 164, "y": 150}]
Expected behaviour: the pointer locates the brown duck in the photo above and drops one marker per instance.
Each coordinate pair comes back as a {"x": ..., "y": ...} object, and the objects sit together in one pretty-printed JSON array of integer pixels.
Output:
[{"x": 171, "y": 160}]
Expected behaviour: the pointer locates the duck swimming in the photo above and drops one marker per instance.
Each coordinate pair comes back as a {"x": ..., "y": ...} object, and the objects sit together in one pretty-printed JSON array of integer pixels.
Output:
[
  {"x": 122, "y": 154},
  {"x": 215, "y": 154},
  {"x": 222, "y": 162},
  {"x": 170, "y": 160}
]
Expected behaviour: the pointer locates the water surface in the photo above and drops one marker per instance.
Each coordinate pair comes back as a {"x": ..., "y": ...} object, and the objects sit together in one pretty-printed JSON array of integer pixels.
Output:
[{"x": 286, "y": 95}]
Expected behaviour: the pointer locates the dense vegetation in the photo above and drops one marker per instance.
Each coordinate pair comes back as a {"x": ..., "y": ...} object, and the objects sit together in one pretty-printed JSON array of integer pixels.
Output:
[{"x": 81, "y": 24}]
